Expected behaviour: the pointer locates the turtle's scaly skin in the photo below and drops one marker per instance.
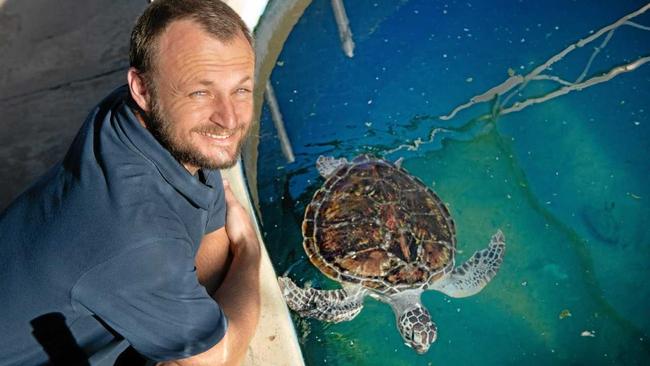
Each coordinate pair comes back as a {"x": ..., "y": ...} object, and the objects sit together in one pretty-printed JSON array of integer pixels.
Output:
[{"x": 374, "y": 224}]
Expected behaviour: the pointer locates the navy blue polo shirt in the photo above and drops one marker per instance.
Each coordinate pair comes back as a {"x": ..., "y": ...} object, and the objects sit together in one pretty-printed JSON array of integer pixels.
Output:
[{"x": 106, "y": 242}]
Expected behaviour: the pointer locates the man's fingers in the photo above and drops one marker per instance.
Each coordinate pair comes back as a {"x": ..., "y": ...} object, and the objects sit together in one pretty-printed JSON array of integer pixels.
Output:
[
  {"x": 233, "y": 206},
  {"x": 239, "y": 227},
  {"x": 230, "y": 197}
]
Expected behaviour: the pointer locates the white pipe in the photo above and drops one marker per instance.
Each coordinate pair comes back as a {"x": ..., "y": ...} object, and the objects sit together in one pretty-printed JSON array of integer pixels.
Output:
[
  {"x": 279, "y": 123},
  {"x": 343, "y": 24}
]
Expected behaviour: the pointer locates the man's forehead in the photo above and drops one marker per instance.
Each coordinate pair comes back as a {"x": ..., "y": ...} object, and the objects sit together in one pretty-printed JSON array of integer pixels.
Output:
[
  {"x": 186, "y": 32},
  {"x": 187, "y": 47}
]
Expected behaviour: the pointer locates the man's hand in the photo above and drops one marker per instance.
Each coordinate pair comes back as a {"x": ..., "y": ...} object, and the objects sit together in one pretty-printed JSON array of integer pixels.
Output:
[{"x": 239, "y": 226}]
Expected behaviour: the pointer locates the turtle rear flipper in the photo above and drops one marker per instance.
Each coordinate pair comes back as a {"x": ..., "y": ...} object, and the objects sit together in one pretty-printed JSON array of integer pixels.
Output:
[
  {"x": 473, "y": 275},
  {"x": 328, "y": 305}
]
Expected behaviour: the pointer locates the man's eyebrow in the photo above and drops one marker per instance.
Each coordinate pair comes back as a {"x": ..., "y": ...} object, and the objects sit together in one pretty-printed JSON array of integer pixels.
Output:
[
  {"x": 245, "y": 79},
  {"x": 210, "y": 82}
]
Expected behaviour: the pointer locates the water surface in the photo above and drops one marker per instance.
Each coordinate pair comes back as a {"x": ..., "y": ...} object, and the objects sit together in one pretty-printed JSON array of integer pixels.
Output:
[{"x": 567, "y": 181}]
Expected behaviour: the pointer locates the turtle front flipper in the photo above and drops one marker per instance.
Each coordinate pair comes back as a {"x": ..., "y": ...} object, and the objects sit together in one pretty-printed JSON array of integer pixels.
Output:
[
  {"x": 328, "y": 305},
  {"x": 473, "y": 275}
]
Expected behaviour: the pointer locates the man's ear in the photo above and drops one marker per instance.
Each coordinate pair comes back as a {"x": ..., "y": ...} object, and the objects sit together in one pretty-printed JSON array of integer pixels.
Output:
[{"x": 138, "y": 89}]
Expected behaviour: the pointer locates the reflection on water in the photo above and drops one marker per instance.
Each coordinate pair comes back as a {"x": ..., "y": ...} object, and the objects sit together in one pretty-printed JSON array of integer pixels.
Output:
[{"x": 566, "y": 180}]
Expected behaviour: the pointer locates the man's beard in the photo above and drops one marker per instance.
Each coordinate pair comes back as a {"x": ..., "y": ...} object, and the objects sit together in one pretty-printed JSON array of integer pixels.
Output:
[{"x": 162, "y": 129}]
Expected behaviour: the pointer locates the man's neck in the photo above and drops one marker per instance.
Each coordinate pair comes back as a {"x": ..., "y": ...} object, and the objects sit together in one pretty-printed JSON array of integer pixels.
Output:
[{"x": 190, "y": 168}]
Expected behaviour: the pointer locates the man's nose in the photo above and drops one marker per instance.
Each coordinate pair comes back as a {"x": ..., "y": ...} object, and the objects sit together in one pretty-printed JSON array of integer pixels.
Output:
[{"x": 224, "y": 113}]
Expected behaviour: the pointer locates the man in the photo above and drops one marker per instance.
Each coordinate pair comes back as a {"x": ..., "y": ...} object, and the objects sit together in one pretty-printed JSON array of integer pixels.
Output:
[{"x": 134, "y": 234}]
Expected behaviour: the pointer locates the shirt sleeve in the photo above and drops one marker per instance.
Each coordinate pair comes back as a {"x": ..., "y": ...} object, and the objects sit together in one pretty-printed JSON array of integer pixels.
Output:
[
  {"x": 217, "y": 214},
  {"x": 151, "y": 296}
]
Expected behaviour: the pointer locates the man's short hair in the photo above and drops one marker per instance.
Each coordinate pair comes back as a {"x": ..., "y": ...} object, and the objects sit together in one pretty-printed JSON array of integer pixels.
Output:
[{"x": 214, "y": 16}]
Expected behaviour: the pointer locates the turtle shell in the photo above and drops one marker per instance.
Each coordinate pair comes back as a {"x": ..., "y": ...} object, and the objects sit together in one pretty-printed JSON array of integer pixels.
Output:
[{"x": 374, "y": 224}]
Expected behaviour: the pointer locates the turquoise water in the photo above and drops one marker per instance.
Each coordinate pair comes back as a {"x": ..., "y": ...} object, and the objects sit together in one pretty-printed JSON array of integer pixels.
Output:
[{"x": 567, "y": 180}]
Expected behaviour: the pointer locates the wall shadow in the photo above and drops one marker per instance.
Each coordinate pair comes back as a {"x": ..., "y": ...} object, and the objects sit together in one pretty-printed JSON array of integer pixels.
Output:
[{"x": 59, "y": 58}]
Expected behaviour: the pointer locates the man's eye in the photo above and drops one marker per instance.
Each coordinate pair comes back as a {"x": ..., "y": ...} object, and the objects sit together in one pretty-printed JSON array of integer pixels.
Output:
[
  {"x": 243, "y": 91},
  {"x": 199, "y": 93}
]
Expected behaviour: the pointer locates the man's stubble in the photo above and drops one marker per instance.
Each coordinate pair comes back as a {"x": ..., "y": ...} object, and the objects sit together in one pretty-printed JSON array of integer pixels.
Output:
[{"x": 163, "y": 130}]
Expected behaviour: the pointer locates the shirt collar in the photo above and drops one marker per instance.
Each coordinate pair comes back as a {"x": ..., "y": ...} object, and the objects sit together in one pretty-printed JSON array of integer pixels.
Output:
[{"x": 142, "y": 140}]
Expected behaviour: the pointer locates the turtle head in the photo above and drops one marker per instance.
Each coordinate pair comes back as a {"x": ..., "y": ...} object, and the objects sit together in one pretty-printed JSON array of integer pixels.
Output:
[{"x": 417, "y": 329}]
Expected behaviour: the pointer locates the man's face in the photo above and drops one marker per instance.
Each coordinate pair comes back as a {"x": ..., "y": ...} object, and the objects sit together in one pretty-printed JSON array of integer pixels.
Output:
[{"x": 201, "y": 105}]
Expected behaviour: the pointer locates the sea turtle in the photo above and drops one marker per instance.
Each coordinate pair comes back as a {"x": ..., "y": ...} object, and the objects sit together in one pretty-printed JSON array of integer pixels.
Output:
[{"x": 382, "y": 232}]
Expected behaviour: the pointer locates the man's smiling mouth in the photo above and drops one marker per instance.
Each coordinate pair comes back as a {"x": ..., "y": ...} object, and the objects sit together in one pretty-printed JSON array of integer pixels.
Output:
[{"x": 223, "y": 136}]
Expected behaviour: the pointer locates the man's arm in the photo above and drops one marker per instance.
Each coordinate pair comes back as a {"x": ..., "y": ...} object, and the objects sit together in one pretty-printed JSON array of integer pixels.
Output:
[
  {"x": 213, "y": 259},
  {"x": 239, "y": 293}
]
